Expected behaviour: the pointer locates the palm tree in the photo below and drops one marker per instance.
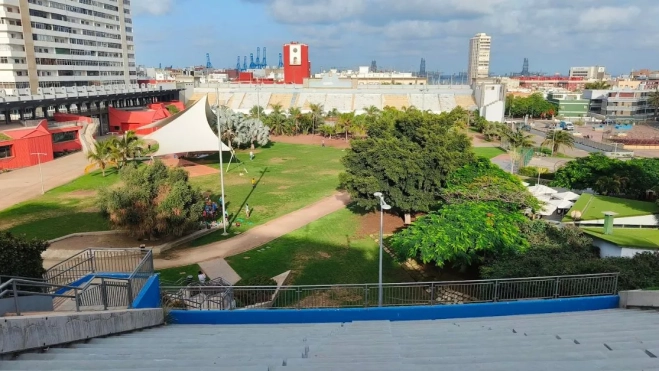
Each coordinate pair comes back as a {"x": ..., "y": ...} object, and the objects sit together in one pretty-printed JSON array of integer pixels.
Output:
[
  {"x": 333, "y": 113},
  {"x": 519, "y": 139},
  {"x": 653, "y": 100},
  {"x": 256, "y": 112},
  {"x": 316, "y": 116},
  {"x": 372, "y": 112},
  {"x": 611, "y": 185},
  {"x": 277, "y": 120},
  {"x": 556, "y": 139},
  {"x": 295, "y": 117},
  {"x": 345, "y": 122},
  {"x": 598, "y": 85},
  {"x": 101, "y": 157},
  {"x": 126, "y": 147}
]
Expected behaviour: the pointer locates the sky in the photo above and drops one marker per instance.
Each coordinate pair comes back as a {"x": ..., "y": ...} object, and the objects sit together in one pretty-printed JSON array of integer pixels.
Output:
[{"x": 553, "y": 34}]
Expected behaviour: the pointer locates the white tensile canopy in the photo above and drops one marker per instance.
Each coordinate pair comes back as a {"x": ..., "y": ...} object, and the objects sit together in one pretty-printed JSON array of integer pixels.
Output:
[
  {"x": 561, "y": 204},
  {"x": 540, "y": 189},
  {"x": 188, "y": 131},
  {"x": 547, "y": 210},
  {"x": 570, "y": 196}
]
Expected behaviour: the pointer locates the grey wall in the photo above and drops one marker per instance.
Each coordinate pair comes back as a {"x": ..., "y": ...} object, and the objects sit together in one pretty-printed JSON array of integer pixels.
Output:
[
  {"x": 26, "y": 304},
  {"x": 39, "y": 331}
]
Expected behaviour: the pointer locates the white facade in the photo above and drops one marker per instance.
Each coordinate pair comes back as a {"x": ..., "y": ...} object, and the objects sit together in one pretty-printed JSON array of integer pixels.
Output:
[
  {"x": 479, "y": 57},
  {"x": 66, "y": 43},
  {"x": 491, "y": 100}
]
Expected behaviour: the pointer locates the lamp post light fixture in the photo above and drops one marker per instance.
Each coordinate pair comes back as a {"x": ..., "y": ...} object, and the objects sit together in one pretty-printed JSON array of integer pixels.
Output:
[
  {"x": 383, "y": 206},
  {"x": 221, "y": 145},
  {"x": 40, "y": 172}
]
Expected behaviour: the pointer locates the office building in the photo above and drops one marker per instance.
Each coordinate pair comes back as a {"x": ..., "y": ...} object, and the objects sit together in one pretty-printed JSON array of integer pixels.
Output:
[
  {"x": 479, "y": 57},
  {"x": 60, "y": 44},
  {"x": 589, "y": 73}
]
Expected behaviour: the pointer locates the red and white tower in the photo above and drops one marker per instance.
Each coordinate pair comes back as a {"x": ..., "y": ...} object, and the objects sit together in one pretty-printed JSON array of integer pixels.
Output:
[{"x": 297, "y": 66}]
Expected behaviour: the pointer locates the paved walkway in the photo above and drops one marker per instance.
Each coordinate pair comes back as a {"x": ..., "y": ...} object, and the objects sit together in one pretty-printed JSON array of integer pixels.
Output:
[
  {"x": 256, "y": 236},
  {"x": 23, "y": 184}
]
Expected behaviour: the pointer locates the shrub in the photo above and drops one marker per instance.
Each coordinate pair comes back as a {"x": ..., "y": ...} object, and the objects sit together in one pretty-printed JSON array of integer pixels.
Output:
[
  {"x": 21, "y": 256},
  {"x": 247, "y": 297}
]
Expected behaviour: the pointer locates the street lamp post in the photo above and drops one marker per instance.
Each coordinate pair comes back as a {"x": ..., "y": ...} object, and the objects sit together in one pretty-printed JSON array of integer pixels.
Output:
[
  {"x": 40, "y": 172},
  {"x": 220, "y": 144},
  {"x": 383, "y": 206}
]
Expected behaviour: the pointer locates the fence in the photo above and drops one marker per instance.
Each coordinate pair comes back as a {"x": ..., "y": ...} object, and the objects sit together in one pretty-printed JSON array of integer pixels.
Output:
[
  {"x": 394, "y": 294},
  {"x": 94, "y": 260}
]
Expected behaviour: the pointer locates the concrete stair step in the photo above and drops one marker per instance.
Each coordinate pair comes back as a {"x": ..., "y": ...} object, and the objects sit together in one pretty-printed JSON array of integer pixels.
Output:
[
  {"x": 172, "y": 355},
  {"x": 558, "y": 356},
  {"x": 438, "y": 351},
  {"x": 632, "y": 345},
  {"x": 589, "y": 365},
  {"x": 224, "y": 364}
]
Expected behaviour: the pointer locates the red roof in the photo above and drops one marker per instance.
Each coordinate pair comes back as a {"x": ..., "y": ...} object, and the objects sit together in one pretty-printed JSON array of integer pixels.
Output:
[{"x": 36, "y": 131}]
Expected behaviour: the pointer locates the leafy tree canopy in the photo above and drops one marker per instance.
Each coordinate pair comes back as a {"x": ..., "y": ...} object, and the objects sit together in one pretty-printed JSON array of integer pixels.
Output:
[
  {"x": 461, "y": 234},
  {"x": 21, "y": 256},
  {"x": 240, "y": 130},
  {"x": 407, "y": 156},
  {"x": 484, "y": 181},
  {"x": 609, "y": 176},
  {"x": 535, "y": 105},
  {"x": 153, "y": 201}
]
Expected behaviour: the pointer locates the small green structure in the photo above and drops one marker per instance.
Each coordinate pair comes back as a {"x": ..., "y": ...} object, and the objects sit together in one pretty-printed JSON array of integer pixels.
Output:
[
  {"x": 608, "y": 221},
  {"x": 570, "y": 105}
]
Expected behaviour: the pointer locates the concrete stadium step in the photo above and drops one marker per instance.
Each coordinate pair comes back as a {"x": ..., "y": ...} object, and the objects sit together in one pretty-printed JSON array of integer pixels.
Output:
[
  {"x": 511, "y": 338},
  {"x": 86, "y": 365},
  {"x": 421, "y": 350},
  {"x": 216, "y": 368},
  {"x": 593, "y": 333},
  {"x": 356, "y": 365},
  {"x": 558, "y": 356},
  {"x": 631, "y": 345},
  {"x": 172, "y": 354},
  {"x": 601, "y": 365}
]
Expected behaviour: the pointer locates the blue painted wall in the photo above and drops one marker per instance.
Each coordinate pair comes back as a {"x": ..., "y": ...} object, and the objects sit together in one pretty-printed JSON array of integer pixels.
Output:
[
  {"x": 394, "y": 313},
  {"x": 149, "y": 296}
]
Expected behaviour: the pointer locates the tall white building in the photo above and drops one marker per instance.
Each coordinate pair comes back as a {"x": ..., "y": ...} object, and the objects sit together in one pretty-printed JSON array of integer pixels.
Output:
[
  {"x": 66, "y": 43},
  {"x": 479, "y": 57}
]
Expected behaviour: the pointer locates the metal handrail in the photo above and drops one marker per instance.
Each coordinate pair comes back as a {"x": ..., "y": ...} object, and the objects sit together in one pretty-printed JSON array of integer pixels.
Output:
[
  {"x": 408, "y": 293},
  {"x": 16, "y": 282}
]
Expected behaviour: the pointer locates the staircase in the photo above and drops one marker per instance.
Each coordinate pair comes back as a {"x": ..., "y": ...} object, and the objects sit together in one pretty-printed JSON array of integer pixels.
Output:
[{"x": 615, "y": 340}]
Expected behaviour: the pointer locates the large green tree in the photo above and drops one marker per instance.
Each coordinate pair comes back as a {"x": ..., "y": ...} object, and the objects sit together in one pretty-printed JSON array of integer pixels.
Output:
[
  {"x": 153, "y": 201},
  {"x": 21, "y": 256},
  {"x": 461, "y": 234},
  {"x": 607, "y": 175},
  {"x": 535, "y": 105},
  {"x": 407, "y": 156},
  {"x": 482, "y": 181}
]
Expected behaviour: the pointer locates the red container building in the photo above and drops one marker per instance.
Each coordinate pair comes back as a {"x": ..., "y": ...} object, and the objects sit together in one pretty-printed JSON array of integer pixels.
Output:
[{"x": 297, "y": 66}]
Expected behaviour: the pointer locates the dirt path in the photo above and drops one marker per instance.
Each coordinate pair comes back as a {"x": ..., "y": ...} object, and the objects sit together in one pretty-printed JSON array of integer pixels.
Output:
[{"x": 256, "y": 236}]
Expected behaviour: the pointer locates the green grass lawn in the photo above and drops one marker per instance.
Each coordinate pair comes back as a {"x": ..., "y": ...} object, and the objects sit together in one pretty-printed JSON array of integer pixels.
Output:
[
  {"x": 172, "y": 275},
  {"x": 629, "y": 237},
  {"x": 326, "y": 251},
  {"x": 592, "y": 207},
  {"x": 289, "y": 176},
  {"x": 488, "y": 152},
  {"x": 61, "y": 211}
]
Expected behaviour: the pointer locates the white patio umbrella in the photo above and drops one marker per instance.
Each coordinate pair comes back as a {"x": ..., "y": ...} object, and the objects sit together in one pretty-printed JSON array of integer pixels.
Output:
[
  {"x": 547, "y": 210},
  {"x": 569, "y": 196},
  {"x": 561, "y": 204},
  {"x": 540, "y": 189}
]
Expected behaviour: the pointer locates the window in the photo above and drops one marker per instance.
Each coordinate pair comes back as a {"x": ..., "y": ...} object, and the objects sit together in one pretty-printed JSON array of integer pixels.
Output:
[
  {"x": 64, "y": 137},
  {"x": 5, "y": 151}
]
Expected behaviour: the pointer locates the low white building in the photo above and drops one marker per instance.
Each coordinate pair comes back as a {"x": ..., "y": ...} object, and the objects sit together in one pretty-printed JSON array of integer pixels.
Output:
[{"x": 491, "y": 100}]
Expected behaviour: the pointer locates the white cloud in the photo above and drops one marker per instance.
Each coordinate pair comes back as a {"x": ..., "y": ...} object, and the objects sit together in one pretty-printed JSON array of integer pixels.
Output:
[
  {"x": 151, "y": 7},
  {"x": 582, "y": 30}
]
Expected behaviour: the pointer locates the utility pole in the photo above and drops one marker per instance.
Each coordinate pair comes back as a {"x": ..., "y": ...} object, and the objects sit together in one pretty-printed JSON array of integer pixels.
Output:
[{"x": 221, "y": 145}]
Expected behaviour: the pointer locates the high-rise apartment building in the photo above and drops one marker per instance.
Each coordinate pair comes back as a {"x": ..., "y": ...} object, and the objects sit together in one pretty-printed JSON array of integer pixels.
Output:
[
  {"x": 66, "y": 43},
  {"x": 479, "y": 57}
]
